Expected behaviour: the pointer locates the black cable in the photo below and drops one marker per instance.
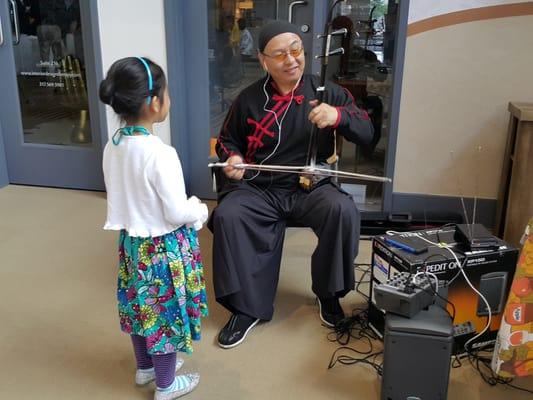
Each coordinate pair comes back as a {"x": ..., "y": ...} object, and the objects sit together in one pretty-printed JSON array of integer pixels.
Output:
[
  {"x": 369, "y": 359},
  {"x": 436, "y": 293},
  {"x": 483, "y": 366},
  {"x": 450, "y": 303},
  {"x": 361, "y": 281},
  {"x": 463, "y": 264},
  {"x": 456, "y": 363},
  {"x": 518, "y": 388},
  {"x": 425, "y": 260},
  {"x": 359, "y": 266},
  {"x": 354, "y": 327}
]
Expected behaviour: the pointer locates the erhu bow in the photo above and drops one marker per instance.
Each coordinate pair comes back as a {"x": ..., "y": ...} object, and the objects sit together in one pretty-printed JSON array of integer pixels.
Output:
[{"x": 310, "y": 174}]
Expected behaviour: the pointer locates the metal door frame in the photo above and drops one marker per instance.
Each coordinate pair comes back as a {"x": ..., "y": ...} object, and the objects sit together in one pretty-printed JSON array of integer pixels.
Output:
[
  {"x": 399, "y": 60},
  {"x": 4, "y": 179}
]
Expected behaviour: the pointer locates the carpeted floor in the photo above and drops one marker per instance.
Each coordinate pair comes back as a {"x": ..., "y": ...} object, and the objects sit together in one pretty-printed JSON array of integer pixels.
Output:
[{"x": 59, "y": 332}]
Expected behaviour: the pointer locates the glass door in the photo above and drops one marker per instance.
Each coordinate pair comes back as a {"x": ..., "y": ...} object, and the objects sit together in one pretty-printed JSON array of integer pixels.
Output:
[
  {"x": 233, "y": 31},
  {"x": 47, "y": 119},
  {"x": 208, "y": 45}
]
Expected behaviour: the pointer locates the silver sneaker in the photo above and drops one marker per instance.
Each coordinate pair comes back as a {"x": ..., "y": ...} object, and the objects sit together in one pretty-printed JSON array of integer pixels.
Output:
[
  {"x": 171, "y": 394},
  {"x": 145, "y": 376}
]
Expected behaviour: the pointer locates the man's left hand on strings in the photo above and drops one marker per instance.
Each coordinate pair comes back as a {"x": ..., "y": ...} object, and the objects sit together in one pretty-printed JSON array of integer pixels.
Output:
[{"x": 323, "y": 115}]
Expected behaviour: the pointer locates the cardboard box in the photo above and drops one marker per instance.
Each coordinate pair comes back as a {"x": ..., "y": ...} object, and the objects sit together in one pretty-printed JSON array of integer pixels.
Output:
[{"x": 490, "y": 271}]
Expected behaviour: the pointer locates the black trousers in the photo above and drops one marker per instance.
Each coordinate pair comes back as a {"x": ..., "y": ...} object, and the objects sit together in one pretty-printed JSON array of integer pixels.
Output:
[{"x": 248, "y": 229}]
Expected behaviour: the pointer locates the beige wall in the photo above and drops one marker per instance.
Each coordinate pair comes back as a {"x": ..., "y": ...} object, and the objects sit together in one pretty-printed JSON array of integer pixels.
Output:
[
  {"x": 457, "y": 82},
  {"x": 133, "y": 28},
  {"x": 423, "y": 9}
]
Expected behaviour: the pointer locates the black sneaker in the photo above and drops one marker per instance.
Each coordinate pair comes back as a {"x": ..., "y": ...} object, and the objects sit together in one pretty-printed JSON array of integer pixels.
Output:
[
  {"x": 236, "y": 330},
  {"x": 330, "y": 310}
]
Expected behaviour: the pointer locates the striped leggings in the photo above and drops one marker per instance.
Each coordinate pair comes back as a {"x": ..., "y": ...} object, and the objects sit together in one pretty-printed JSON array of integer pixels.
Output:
[{"x": 163, "y": 364}]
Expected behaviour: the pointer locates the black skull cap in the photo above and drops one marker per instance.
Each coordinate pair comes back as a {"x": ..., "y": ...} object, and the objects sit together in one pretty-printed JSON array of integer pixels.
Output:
[{"x": 274, "y": 29}]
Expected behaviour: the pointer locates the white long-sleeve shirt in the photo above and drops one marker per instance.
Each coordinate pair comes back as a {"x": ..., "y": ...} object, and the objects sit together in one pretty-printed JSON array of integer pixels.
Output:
[{"x": 145, "y": 188}]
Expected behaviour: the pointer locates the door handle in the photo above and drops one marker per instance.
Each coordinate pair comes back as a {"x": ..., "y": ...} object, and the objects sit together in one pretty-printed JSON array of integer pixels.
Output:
[
  {"x": 15, "y": 14},
  {"x": 1, "y": 34},
  {"x": 293, "y": 4}
]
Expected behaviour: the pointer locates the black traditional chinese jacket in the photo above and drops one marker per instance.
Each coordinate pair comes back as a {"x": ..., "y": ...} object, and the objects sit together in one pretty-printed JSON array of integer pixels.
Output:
[{"x": 252, "y": 131}]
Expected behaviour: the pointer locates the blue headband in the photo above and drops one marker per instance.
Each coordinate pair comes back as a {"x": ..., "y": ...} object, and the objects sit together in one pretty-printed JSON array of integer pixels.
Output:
[{"x": 150, "y": 80}]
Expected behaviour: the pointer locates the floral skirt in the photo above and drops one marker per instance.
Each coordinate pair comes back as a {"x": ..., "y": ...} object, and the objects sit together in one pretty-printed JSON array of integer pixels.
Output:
[{"x": 161, "y": 289}]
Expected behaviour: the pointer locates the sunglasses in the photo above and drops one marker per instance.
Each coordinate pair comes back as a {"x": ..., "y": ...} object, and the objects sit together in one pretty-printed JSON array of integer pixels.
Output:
[{"x": 282, "y": 56}]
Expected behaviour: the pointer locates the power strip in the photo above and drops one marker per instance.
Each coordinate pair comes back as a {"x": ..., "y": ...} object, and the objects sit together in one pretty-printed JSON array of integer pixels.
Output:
[
  {"x": 399, "y": 295},
  {"x": 461, "y": 334},
  {"x": 466, "y": 328}
]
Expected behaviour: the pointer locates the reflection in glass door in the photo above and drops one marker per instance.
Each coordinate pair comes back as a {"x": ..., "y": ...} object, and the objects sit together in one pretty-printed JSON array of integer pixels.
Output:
[
  {"x": 365, "y": 70},
  {"x": 233, "y": 31},
  {"x": 50, "y": 67},
  {"x": 233, "y": 65}
]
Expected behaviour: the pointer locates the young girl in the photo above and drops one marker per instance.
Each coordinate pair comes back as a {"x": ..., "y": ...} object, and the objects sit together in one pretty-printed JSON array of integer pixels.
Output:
[{"x": 161, "y": 289}]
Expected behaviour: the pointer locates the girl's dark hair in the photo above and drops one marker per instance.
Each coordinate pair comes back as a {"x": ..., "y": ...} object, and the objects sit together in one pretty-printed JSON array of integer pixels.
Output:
[{"x": 125, "y": 87}]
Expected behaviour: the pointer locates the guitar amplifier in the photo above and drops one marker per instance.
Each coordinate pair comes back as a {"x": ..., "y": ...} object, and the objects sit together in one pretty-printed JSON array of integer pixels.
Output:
[{"x": 490, "y": 270}]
